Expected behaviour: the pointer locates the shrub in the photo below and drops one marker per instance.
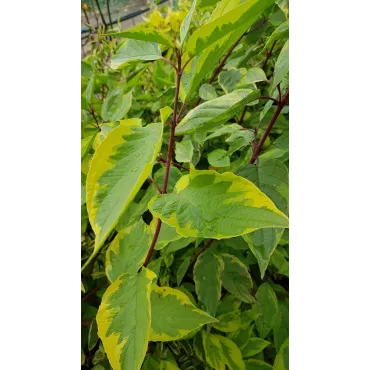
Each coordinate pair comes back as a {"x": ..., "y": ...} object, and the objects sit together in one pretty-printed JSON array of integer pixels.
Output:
[{"x": 185, "y": 190}]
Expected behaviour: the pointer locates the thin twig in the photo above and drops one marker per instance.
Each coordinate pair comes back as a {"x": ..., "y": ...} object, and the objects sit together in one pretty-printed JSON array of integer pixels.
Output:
[
  {"x": 268, "y": 55},
  {"x": 170, "y": 63},
  {"x": 279, "y": 108},
  {"x": 173, "y": 163},
  {"x": 155, "y": 184},
  {"x": 169, "y": 155},
  {"x": 206, "y": 245},
  {"x": 93, "y": 291}
]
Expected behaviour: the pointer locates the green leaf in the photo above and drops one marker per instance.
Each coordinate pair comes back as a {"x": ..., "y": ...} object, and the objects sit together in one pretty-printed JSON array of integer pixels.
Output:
[
  {"x": 281, "y": 65},
  {"x": 228, "y": 322},
  {"x": 166, "y": 235},
  {"x": 254, "y": 346},
  {"x": 124, "y": 324},
  {"x": 207, "y": 204},
  {"x": 282, "y": 358},
  {"x": 221, "y": 351},
  {"x": 241, "y": 337},
  {"x": 239, "y": 140},
  {"x": 243, "y": 15},
  {"x": 207, "y": 92},
  {"x": 268, "y": 309},
  {"x": 92, "y": 338},
  {"x": 127, "y": 252},
  {"x": 279, "y": 33},
  {"x": 218, "y": 158},
  {"x": 173, "y": 315},
  {"x": 86, "y": 144},
  {"x": 181, "y": 271},
  {"x": 165, "y": 113},
  {"x": 229, "y": 79},
  {"x": 236, "y": 278},
  {"x": 89, "y": 92},
  {"x": 116, "y": 105},
  {"x": 271, "y": 176},
  {"x": 144, "y": 33},
  {"x": 133, "y": 50},
  {"x": 184, "y": 151},
  {"x": 186, "y": 22},
  {"x": 207, "y": 278},
  {"x": 257, "y": 365},
  {"x": 284, "y": 6},
  {"x": 229, "y": 303},
  {"x": 253, "y": 75},
  {"x": 223, "y": 130},
  {"x": 120, "y": 166},
  {"x": 215, "y": 112},
  {"x": 281, "y": 328}
]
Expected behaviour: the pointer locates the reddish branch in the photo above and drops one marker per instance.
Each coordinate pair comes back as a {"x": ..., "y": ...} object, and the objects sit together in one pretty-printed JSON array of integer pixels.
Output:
[
  {"x": 173, "y": 164},
  {"x": 93, "y": 291},
  {"x": 268, "y": 55},
  {"x": 206, "y": 245},
  {"x": 155, "y": 184},
  {"x": 173, "y": 124},
  {"x": 279, "y": 108}
]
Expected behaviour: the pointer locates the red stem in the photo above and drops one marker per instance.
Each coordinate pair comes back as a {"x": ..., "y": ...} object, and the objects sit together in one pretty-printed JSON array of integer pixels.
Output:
[
  {"x": 169, "y": 155},
  {"x": 155, "y": 184},
  {"x": 279, "y": 108},
  {"x": 268, "y": 55}
]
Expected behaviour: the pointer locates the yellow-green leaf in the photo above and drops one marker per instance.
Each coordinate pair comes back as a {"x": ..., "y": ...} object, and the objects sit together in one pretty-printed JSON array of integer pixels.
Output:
[
  {"x": 173, "y": 315},
  {"x": 215, "y": 112},
  {"x": 282, "y": 358},
  {"x": 221, "y": 351},
  {"x": 144, "y": 33},
  {"x": 167, "y": 234},
  {"x": 228, "y": 322},
  {"x": 133, "y": 50},
  {"x": 271, "y": 176},
  {"x": 236, "y": 278},
  {"x": 165, "y": 113},
  {"x": 207, "y": 278},
  {"x": 281, "y": 65},
  {"x": 86, "y": 144},
  {"x": 254, "y": 346},
  {"x": 120, "y": 166},
  {"x": 207, "y": 204},
  {"x": 116, "y": 105},
  {"x": 124, "y": 320},
  {"x": 243, "y": 15},
  {"x": 186, "y": 22},
  {"x": 127, "y": 252}
]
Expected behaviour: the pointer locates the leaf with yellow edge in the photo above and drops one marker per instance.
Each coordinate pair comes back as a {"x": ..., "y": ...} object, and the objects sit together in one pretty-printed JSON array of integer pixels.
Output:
[
  {"x": 243, "y": 15},
  {"x": 215, "y": 112},
  {"x": 207, "y": 204},
  {"x": 165, "y": 113},
  {"x": 221, "y": 351},
  {"x": 86, "y": 145},
  {"x": 127, "y": 252},
  {"x": 174, "y": 316},
  {"x": 120, "y": 166},
  {"x": 167, "y": 234},
  {"x": 144, "y": 33},
  {"x": 186, "y": 22},
  {"x": 124, "y": 320}
]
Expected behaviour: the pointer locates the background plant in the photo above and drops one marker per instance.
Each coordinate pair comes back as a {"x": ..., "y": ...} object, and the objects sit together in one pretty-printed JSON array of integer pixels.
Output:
[{"x": 185, "y": 190}]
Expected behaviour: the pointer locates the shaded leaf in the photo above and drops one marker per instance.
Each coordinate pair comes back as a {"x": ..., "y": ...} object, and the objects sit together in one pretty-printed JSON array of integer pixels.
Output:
[{"x": 116, "y": 105}]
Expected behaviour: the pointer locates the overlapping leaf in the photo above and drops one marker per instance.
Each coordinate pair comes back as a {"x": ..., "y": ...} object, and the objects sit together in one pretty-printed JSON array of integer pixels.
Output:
[
  {"x": 124, "y": 320},
  {"x": 271, "y": 176},
  {"x": 127, "y": 252},
  {"x": 215, "y": 112},
  {"x": 173, "y": 315},
  {"x": 133, "y": 50},
  {"x": 120, "y": 165},
  {"x": 211, "y": 205}
]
